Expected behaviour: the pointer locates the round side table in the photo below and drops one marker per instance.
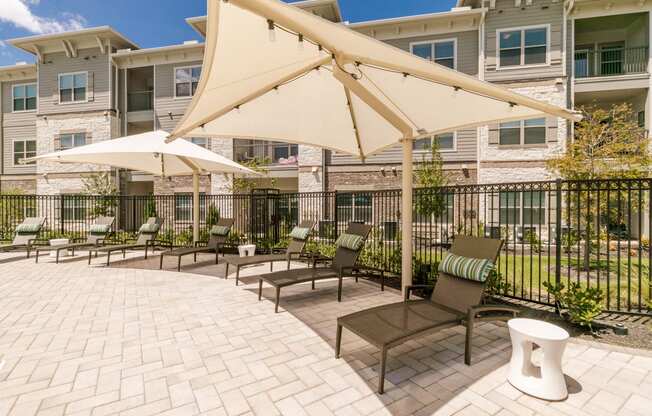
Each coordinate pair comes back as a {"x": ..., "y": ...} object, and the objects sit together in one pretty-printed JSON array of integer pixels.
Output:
[{"x": 546, "y": 382}]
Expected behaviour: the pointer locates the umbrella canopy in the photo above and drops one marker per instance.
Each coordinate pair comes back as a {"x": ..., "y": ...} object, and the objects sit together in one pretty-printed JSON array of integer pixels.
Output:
[
  {"x": 149, "y": 152},
  {"x": 273, "y": 71}
]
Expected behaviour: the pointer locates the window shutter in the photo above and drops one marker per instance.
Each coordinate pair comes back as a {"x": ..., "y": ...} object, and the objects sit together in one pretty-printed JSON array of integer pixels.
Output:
[
  {"x": 90, "y": 93},
  {"x": 494, "y": 134},
  {"x": 551, "y": 130},
  {"x": 89, "y": 137},
  {"x": 57, "y": 142},
  {"x": 55, "y": 90}
]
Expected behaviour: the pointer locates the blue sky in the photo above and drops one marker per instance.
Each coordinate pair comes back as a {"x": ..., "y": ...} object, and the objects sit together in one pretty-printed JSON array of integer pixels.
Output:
[{"x": 152, "y": 23}]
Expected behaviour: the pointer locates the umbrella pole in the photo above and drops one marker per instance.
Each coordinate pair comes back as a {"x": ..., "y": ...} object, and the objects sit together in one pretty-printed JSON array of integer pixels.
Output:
[
  {"x": 406, "y": 215},
  {"x": 195, "y": 206}
]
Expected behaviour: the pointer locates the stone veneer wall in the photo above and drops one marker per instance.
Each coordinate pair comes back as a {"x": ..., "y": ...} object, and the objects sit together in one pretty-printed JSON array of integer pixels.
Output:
[
  {"x": 222, "y": 183},
  {"x": 180, "y": 184},
  {"x": 374, "y": 180},
  {"x": 65, "y": 178},
  {"x": 25, "y": 186}
]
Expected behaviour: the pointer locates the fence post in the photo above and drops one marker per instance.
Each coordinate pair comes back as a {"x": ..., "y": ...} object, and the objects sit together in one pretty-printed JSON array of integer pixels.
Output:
[
  {"x": 335, "y": 216},
  {"x": 62, "y": 227},
  {"x": 558, "y": 233}
]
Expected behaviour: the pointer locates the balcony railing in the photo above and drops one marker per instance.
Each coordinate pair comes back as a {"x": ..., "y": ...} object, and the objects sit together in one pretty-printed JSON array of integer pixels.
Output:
[
  {"x": 140, "y": 101},
  {"x": 611, "y": 61},
  {"x": 273, "y": 153}
]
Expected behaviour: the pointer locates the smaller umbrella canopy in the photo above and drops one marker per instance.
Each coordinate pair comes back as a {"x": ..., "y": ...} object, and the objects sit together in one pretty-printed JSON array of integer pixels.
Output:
[{"x": 150, "y": 153}]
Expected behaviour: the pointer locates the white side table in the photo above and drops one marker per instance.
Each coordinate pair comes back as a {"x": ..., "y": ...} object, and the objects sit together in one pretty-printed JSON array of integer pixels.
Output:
[
  {"x": 247, "y": 250},
  {"x": 59, "y": 242},
  {"x": 546, "y": 382}
]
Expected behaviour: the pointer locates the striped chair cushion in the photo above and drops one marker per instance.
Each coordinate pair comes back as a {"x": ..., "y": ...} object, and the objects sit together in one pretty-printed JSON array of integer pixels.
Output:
[
  {"x": 466, "y": 267},
  {"x": 99, "y": 229},
  {"x": 149, "y": 228},
  {"x": 220, "y": 230},
  {"x": 350, "y": 241},
  {"x": 300, "y": 233},
  {"x": 28, "y": 229}
]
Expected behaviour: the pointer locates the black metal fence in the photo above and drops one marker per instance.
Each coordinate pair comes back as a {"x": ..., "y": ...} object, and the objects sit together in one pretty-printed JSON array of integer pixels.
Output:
[{"x": 595, "y": 233}]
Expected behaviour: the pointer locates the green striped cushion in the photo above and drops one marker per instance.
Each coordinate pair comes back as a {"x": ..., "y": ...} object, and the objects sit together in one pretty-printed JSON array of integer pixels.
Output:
[
  {"x": 350, "y": 241},
  {"x": 220, "y": 230},
  {"x": 149, "y": 228},
  {"x": 466, "y": 267},
  {"x": 99, "y": 229},
  {"x": 28, "y": 228},
  {"x": 300, "y": 233}
]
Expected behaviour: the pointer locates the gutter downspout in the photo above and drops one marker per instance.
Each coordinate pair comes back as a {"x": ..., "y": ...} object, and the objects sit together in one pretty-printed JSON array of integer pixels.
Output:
[{"x": 481, "y": 76}]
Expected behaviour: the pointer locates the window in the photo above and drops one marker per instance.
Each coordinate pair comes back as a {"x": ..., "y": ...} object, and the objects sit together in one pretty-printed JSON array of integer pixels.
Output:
[
  {"x": 186, "y": 80},
  {"x": 285, "y": 154},
  {"x": 72, "y": 87},
  {"x": 24, "y": 97},
  {"x": 354, "y": 207},
  {"x": 442, "y": 52},
  {"x": 521, "y": 47},
  {"x": 183, "y": 206},
  {"x": 527, "y": 132},
  {"x": 200, "y": 141},
  {"x": 74, "y": 208},
  {"x": 24, "y": 149},
  {"x": 523, "y": 208},
  {"x": 445, "y": 141},
  {"x": 70, "y": 140}
]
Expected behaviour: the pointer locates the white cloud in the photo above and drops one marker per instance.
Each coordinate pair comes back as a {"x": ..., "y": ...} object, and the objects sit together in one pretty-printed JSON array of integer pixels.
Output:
[{"x": 18, "y": 13}]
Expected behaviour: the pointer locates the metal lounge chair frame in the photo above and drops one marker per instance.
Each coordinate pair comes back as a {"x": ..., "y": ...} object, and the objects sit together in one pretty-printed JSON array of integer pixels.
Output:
[
  {"x": 215, "y": 243},
  {"x": 342, "y": 263},
  {"x": 294, "y": 249},
  {"x": 144, "y": 240},
  {"x": 26, "y": 240},
  {"x": 92, "y": 240},
  {"x": 454, "y": 301}
]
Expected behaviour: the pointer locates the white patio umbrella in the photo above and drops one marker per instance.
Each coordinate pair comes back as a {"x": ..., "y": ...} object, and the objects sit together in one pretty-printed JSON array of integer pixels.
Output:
[
  {"x": 272, "y": 71},
  {"x": 150, "y": 153}
]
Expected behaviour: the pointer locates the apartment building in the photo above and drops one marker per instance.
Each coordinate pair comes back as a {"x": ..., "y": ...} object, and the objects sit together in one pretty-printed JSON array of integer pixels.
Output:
[{"x": 95, "y": 84}]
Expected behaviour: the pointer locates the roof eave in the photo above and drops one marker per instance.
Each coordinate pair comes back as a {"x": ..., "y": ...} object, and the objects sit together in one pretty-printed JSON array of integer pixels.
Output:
[{"x": 416, "y": 18}]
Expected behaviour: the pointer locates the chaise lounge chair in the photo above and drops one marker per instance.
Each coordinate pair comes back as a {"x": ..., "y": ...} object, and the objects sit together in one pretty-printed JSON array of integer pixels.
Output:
[
  {"x": 298, "y": 239},
  {"x": 146, "y": 238},
  {"x": 454, "y": 301},
  {"x": 26, "y": 233},
  {"x": 97, "y": 234},
  {"x": 218, "y": 236},
  {"x": 349, "y": 247}
]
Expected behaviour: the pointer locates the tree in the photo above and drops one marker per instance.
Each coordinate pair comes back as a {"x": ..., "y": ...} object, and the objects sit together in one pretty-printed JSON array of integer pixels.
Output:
[
  {"x": 105, "y": 191},
  {"x": 608, "y": 144},
  {"x": 246, "y": 185},
  {"x": 429, "y": 175}
]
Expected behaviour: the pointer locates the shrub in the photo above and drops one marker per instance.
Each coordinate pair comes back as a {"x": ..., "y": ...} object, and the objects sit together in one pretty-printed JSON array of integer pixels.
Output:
[
  {"x": 582, "y": 304},
  {"x": 496, "y": 285}
]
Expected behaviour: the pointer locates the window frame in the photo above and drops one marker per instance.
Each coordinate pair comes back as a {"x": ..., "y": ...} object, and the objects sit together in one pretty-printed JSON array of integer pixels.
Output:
[
  {"x": 522, "y": 127},
  {"x": 64, "y": 74},
  {"x": 522, "y": 207},
  {"x": 73, "y": 139},
  {"x": 205, "y": 145},
  {"x": 522, "y": 29},
  {"x": 186, "y": 199},
  {"x": 451, "y": 150},
  {"x": 24, "y": 85},
  {"x": 77, "y": 205},
  {"x": 353, "y": 207},
  {"x": 13, "y": 152},
  {"x": 432, "y": 45},
  {"x": 174, "y": 81}
]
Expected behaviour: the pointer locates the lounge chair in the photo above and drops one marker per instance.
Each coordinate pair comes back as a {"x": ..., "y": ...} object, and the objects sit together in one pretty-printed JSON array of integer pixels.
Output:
[
  {"x": 454, "y": 301},
  {"x": 146, "y": 238},
  {"x": 344, "y": 262},
  {"x": 215, "y": 243},
  {"x": 295, "y": 249},
  {"x": 26, "y": 234},
  {"x": 97, "y": 235}
]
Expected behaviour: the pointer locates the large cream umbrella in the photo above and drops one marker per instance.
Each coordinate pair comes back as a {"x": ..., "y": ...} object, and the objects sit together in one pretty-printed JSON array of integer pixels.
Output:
[
  {"x": 150, "y": 153},
  {"x": 275, "y": 72}
]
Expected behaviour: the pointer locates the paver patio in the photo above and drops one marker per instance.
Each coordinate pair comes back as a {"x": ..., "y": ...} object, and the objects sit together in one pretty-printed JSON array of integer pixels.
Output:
[{"x": 125, "y": 340}]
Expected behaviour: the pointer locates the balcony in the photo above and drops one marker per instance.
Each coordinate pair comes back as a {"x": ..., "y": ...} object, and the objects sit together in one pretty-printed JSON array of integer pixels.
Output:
[
  {"x": 140, "y": 101},
  {"x": 270, "y": 153},
  {"x": 611, "y": 61}
]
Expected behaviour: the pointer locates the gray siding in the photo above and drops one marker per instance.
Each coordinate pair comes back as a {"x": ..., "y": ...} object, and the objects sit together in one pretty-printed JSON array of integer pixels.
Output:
[
  {"x": 467, "y": 48},
  {"x": 506, "y": 16},
  {"x": 164, "y": 101},
  {"x": 20, "y": 125},
  {"x": 91, "y": 60},
  {"x": 466, "y": 152}
]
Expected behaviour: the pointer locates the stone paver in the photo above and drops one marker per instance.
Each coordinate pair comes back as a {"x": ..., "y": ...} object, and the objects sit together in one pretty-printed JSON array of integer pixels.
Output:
[{"x": 133, "y": 340}]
